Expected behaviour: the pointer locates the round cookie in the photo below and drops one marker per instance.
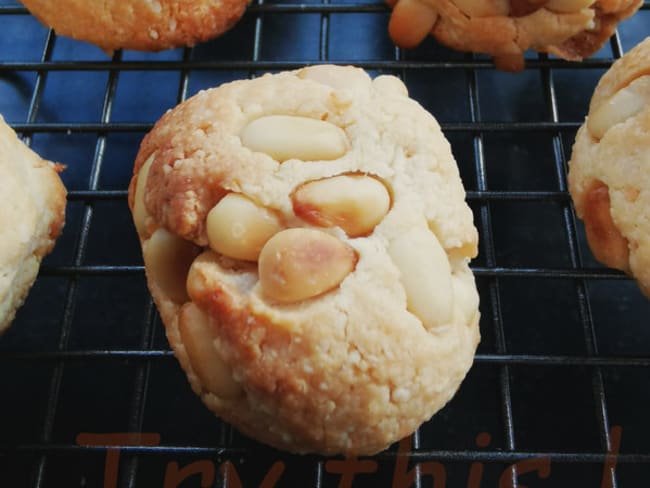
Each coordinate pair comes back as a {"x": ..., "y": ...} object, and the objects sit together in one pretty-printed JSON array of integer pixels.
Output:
[
  {"x": 146, "y": 25},
  {"x": 306, "y": 241},
  {"x": 505, "y": 29},
  {"x": 609, "y": 171},
  {"x": 31, "y": 218}
]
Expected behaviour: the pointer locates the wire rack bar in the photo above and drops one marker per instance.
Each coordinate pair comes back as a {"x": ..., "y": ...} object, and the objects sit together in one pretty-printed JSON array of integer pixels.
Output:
[
  {"x": 489, "y": 359},
  {"x": 560, "y": 196},
  {"x": 416, "y": 456},
  {"x": 471, "y": 127},
  {"x": 260, "y": 8},
  {"x": 264, "y": 65},
  {"x": 584, "y": 310},
  {"x": 93, "y": 183},
  {"x": 494, "y": 294},
  {"x": 140, "y": 388},
  {"x": 584, "y": 273}
]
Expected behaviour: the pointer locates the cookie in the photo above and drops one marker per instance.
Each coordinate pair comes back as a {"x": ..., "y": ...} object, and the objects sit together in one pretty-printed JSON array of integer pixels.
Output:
[
  {"x": 306, "y": 241},
  {"x": 145, "y": 25},
  {"x": 31, "y": 218},
  {"x": 505, "y": 29},
  {"x": 609, "y": 170}
]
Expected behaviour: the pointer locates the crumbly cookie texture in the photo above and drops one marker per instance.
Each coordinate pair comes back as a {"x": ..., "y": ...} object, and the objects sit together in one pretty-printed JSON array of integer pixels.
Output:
[
  {"x": 146, "y": 25},
  {"x": 31, "y": 217},
  {"x": 306, "y": 241},
  {"x": 505, "y": 29},
  {"x": 609, "y": 171}
]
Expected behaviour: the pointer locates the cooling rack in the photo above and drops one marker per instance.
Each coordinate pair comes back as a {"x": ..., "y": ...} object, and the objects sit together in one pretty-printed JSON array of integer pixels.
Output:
[{"x": 91, "y": 394}]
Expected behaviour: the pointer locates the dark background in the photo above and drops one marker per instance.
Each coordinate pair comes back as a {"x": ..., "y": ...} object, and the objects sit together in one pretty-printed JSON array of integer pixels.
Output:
[{"x": 562, "y": 373}]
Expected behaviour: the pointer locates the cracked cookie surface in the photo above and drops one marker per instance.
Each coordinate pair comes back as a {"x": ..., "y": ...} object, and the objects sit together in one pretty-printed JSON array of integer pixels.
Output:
[
  {"x": 609, "y": 171},
  {"x": 306, "y": 241},
  {"x": 31, "y": 218},
  {"x": 505, "y": 29},
  {"x": 146, "y": 25}
]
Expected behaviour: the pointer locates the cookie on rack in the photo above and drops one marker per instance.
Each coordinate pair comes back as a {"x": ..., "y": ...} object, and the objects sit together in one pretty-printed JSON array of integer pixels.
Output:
[
  {"x": 505, "y": 29},
  {"x": 306, "y": 241},
  {"x": 145, "y": 25},
  {"x": 609, "y": 171},
  {"x": 31, "y": 218}
]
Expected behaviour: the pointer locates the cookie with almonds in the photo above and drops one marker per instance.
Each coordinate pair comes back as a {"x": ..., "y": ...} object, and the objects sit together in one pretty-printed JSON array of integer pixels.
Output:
[
  {"x": 609, "y": 171},
  {"x": 145, "y": 25},
  {"x": 505, "y": 29},
  {"x": 31, "y": 218},
  {"x": 306, "y": 241}
]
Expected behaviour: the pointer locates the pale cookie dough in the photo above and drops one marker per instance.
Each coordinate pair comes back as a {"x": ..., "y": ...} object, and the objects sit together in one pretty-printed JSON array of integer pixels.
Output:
[
  {"x": 306, "y": 240},
  {"x": 505, "y": 29},
  {"x": 146, "y": 25},
  {"x": 609, "y": 171},
  {"x": 31, "y": 217}
]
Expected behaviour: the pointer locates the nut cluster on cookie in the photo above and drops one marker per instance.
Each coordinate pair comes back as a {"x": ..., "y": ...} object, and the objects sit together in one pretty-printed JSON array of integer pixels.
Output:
[
  {"x": 505, "y": 29},
  {"x": 306, "y": 241},
  {"x": 609, "y": 171}
]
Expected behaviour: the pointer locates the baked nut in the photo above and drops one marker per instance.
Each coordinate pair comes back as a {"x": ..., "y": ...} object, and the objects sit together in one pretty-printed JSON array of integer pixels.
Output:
[
  {"x": 505, "y": 29},
  {"x": 624, "y": 104},
  {"x": 141, "y": 218},
  {"x": 297, "y": 264},
  {"x": 238, "y": 228},
  {"x": 31, "y": 218},
  {"x": 609, "y": 177},
  {"x": 168, "y": 259},
  {"x": 425, "y": 274},
  {"x": 331, "y": 308},
  {"x": 199, "y": 341},
  {"x": 286, "y": 137},
  {"x": 145, "y": 25},
  {"x": 411, "y": 22},
  {"x": 355, "y": 203}
]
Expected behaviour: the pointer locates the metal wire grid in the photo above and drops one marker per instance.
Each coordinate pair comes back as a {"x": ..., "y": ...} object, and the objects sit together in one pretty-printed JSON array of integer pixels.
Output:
[{"x": 491, "y": 276}]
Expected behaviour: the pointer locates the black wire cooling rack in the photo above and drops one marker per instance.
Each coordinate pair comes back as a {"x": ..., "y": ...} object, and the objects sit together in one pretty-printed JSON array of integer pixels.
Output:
[{"x": 561, "y": 384}]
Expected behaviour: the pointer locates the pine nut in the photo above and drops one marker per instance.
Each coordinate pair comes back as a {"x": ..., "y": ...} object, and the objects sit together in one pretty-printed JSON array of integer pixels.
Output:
[
  {"x": 238, "y": 228},
  {"x": 286, "y": 137},
  {"x": 198, "y": 339},
  {"x": 296, "y": 264},
  {"x": 167, "y": 259},
  {"x": 355, "y": 203},
  {"x": 337, "y": 77},
  {"x": 425, "y": 275},
  {"x": 606, "y": 242},
  {"x": 140, "y": 214},
  {"x": 625, "y": 103},
  {"x": 390, "y": 84},
  {"x": 410, "y": 22}
]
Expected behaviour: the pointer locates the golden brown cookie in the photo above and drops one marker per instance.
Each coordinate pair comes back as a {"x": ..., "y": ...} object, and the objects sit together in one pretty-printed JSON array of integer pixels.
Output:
[
  {"x": 306, "y": 241},
  {"x": 31, "y": 218},
  {"x": 609, "y": 171},
  {"x": 146, "y": 25},
  {"x": 505, "y": 29}
]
